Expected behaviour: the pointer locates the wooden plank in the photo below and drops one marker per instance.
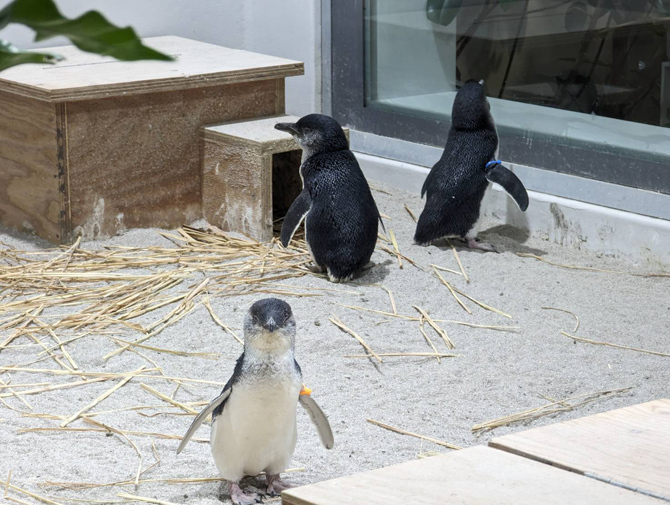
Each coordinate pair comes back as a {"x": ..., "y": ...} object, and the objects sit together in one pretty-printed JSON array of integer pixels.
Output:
[
  {"x": 83, "y": 76},
  {"x": 29, "y": 181},
  {"x": 475, "y": 476},
  {"x": 237, "y": 189},
  {"x": 260, "y": 133},
  {"x": 630, "y": 446},
  {"x": 237, "y": 182},
  {"x": 134, "y": 161}
]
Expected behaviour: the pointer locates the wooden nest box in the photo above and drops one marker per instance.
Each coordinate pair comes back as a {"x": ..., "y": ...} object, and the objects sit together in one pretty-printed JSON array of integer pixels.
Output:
[{"x": 93, "y": 146}]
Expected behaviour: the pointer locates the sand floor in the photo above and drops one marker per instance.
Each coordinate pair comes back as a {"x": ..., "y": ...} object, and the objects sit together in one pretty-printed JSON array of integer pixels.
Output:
[{"x": 496, "y": 373}]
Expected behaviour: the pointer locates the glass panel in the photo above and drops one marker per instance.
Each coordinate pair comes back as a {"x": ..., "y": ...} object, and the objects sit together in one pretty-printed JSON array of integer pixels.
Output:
[{"x": 581, "y": 70}]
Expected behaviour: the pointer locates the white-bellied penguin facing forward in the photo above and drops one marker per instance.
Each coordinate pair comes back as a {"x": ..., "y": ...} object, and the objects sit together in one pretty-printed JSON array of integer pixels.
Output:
[
  {"x": 254, "y": 426},
  {"x": 340, "y": 214},
  {"x": 456, "y": 184}
]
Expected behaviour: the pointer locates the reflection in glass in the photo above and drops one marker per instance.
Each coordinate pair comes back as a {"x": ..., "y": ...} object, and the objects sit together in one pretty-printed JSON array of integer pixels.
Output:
[{"x": 599, "y": 69}]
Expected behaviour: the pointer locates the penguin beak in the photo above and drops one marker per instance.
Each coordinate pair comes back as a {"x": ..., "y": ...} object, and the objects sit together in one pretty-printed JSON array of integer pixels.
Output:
[
  {"x": 290, "y": 128},
  {"x": 481, "y": 82},
  {"x": 270, "y": 325}
]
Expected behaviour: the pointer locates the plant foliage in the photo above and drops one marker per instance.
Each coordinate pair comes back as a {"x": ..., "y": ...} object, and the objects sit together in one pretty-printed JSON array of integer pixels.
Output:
[{"x": 90, "y": 32}]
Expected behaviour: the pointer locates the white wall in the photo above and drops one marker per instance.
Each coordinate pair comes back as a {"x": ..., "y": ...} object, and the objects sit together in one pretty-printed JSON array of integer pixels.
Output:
[{"x": 286, "y": 28}]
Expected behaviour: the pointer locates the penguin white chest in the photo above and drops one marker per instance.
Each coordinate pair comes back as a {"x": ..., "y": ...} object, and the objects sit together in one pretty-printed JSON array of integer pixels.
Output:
[{"x": 257, "y": 429}]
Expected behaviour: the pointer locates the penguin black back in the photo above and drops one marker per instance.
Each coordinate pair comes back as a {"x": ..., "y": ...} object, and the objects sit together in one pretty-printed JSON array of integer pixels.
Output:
[
  {"x": 456, "y": 184},
  {"x": 343, "y": 220},
  {"x": 340, "y": 214}
]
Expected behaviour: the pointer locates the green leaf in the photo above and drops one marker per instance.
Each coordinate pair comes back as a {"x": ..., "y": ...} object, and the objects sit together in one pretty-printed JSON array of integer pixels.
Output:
[
  {"x": 90, "y": 32},
  {"x": 4, "y": 16},
  {"x": 11, "y": 56}
]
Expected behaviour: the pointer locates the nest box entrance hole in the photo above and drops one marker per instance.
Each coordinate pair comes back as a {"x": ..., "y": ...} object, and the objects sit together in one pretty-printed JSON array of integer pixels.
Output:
[{"x": 286, "y": 183}]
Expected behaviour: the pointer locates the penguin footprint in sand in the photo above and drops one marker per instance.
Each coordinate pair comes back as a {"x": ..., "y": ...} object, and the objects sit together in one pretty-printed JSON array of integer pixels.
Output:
[
  {"x": 254, "y": 426},
  {"x": 456, "y": 184},
  {"x": 341, "y": 217}
]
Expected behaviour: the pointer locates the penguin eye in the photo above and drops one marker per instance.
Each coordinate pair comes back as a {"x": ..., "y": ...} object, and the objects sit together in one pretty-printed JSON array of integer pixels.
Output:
[
  {"x": 254, "y": 319},
  {"x": 287, "y": 317}
]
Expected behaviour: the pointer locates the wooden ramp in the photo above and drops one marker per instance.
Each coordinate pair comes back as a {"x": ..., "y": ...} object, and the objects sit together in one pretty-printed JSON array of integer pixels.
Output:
[
  {"x": 629, "y": 448},
  {"x": 479, "y": 475}
]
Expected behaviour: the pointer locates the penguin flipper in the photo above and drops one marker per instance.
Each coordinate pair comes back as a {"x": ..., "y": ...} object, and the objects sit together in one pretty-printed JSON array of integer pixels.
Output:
[
  {"x": 319, "y": 419},
  {"x": 295, "y": 215},
  {"x": 510, "y": 183},
  {"x": 201, "y": 417}
]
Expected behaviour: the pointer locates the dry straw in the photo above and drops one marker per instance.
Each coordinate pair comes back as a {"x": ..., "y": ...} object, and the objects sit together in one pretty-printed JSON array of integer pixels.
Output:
[
  {"x": 452, "y": 291},
  {"x": 336, "y": 321},
  {"x": 482, "y": 304},
  {"x": 567, "y": 312},
  {"x": 53, "y": 299},
  {"x": 395, "y": 247},
  {"x": 409, "y": 433},
  {"x": 391, "y": 299},
  {"x": 439, "y": 330},
  {"x": 133, "y": 497},
  {"x": 548, "y": 409},
  {"x": 405, "y": 355},
  {"x": 430, "y": 342},
  {"x": 616, "y": 346},
  {"x": 106, "y": 394},
  {"x": 590, "y": 269},
  {"x": 458, "y": 260},
  {"x": 411, "y": 214}
]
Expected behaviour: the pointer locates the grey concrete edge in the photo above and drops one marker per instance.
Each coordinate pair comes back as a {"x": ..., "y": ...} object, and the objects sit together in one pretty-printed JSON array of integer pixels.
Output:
[
  {"x": 629, "y": 236},
  {"x": 614, "y": 196}
]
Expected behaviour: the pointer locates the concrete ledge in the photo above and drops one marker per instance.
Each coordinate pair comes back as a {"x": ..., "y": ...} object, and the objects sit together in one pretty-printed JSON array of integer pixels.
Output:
[
  {"x": 584, "y": 226},
  {"x": 615, "y": 196}
]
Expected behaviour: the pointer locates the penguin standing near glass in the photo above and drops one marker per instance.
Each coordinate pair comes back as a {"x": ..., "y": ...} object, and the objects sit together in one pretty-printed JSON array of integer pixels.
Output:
[
  {"x": 254, "y": 426},
  {"x": 340, "y": 214},
  {"x": 456, "y": 184}
]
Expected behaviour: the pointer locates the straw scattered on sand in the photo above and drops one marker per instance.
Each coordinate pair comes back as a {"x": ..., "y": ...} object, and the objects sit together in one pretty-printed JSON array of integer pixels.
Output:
[
  {"x": 52, "y": 301},
  {"x": 567, "y": 312},
  {"x": 548, "y": 409},
  {"x": 616, "y": 346},
  {"x": 416, "y": 435},
  {"x": 590, "y": 269},
  {"x": 336, "y": 321}
]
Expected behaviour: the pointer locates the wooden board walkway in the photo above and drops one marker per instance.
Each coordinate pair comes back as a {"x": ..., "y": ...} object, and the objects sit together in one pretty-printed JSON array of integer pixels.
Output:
[
  {"x": 629, "y": 447},
  {"x": 476, "y": 476}
]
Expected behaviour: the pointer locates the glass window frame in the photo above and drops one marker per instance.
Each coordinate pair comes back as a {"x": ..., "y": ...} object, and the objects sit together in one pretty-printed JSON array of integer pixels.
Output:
[{"x": 583, "y": 159}]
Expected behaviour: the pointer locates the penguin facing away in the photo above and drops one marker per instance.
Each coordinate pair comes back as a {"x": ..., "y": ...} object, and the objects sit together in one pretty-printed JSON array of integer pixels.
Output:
[
  {"x": 336, "y": 204},
  {"x": 456, "y": 184},
  {"x": 254, "y": 426}
]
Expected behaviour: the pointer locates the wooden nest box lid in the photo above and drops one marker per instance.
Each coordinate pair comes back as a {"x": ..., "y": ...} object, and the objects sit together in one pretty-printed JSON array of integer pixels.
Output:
[{"x": 84, "y": 76}]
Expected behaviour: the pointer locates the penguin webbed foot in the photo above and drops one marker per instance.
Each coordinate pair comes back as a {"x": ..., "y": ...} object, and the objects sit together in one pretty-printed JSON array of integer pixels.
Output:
[
  {"x": 370, "y": 265},
  {"x": 316, "y": 269},
  {"x": 482, "y": 246},
  {"x": 276, "y": 485},
  {"x": 239, "y": 497}
]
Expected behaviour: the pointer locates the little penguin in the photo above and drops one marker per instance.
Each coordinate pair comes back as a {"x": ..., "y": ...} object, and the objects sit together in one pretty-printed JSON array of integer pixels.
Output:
[
  {"x": 340, "y": 214},
  {"x": 456, "y": 184},
  {"x": 254, "y": 426}
]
